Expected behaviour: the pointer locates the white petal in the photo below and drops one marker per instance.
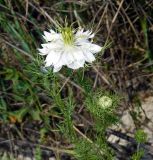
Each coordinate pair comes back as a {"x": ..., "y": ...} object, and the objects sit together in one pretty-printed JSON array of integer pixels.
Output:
[
  {"x": 82, "y": 36},
  {"x": 61, "y": 61},
  {"x": 91, "y": 35},
  {"x": 76, "y": 64},
  {"x": 65, "y": 59},
  {"x": 86, "y": 33},
  {"x": 89, "y": 57},
  {"x": 56, "y": 69},
  {"x": 47, "y": 36},
  {"x": 43, "y": 51},
  {"x": 81, "y": 63},
  {"x": 78, "y": 54},
  {"x": 79, "y": 32},
  {"x": 53, "y": 45},
  {"x": 51, "y": 36},
  {"x": 69, "y": 58},
  {"x": 52, "y": 31},
  {"x": 94, "y": 48},
  {"x": 52, "y": 58},
  {"x": 86, "y": 50}
]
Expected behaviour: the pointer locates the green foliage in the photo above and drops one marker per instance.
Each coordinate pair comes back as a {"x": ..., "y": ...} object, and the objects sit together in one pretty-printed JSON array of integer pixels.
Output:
[
  {"x": 138, "y": 155},
  {"x": 66, "y": 126},
  {"x": 140, "y": 136},
  {"x": 85, "y": 83},
  {"x": 86, "y": 151},
  {"x": 144, "y": 26},
  {"x": 97, "y": 150},
  {"x": 6, "y": 156},
  {"x": 104, "y": 115},
  {"x": 17, "y": 116},
  {"x": 17, "y": 31},
  {"x": 38, "y": 153}
]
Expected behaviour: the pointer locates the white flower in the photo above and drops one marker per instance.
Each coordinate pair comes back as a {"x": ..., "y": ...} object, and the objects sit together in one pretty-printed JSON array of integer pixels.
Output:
[
  {"x": 105, "y": 102},
  {"x": 68, "y": 48}
]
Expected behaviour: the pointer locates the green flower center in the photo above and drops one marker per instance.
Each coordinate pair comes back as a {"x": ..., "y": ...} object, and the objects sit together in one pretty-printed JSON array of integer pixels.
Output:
[{"x": 68, "y": 35}]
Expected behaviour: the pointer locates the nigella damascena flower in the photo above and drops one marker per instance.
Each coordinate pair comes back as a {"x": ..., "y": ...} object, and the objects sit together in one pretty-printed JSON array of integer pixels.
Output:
[{"x": 68, "y": 48}]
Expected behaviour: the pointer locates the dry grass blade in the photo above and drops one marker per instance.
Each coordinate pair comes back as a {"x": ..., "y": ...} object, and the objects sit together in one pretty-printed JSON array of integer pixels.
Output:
[
  {"x": 20, "y": 50},
  {"x": 114, "y": 19}
]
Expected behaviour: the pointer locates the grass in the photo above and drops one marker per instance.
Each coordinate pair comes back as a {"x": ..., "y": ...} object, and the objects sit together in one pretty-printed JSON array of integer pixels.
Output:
[{"x": 57, "y": 111}]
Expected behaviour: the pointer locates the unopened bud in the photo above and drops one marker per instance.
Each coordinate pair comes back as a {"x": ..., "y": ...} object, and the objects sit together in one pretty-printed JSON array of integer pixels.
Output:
[{"x": 105, "y": 102}]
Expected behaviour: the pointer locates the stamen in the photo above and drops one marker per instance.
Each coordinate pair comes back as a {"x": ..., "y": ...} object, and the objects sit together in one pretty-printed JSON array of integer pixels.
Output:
[{"x": 68, "y": 35}]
